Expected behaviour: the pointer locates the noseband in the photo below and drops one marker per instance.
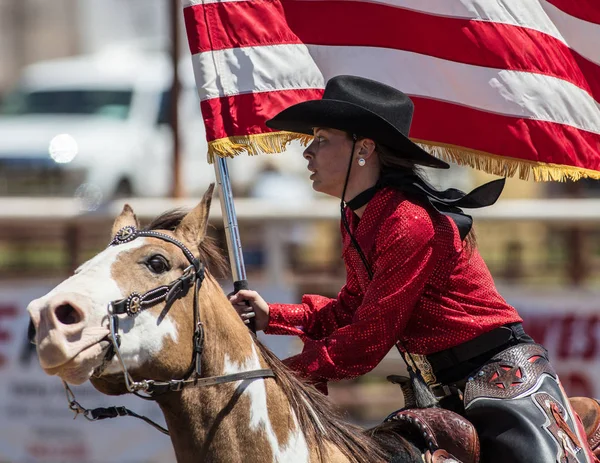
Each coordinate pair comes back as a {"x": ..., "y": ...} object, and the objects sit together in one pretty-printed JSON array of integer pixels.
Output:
[{"x": 131, "y": 306}]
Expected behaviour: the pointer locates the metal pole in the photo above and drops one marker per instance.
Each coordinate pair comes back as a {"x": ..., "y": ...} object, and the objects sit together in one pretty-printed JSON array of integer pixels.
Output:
[
  {"x": 177, "y": 188},
  {"x": 234, "y": 245},
  {"x": 232, "y": 234}
]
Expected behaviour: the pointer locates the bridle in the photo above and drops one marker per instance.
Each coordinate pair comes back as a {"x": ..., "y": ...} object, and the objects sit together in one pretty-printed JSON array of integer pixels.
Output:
[{"x": 131, "y": 306}]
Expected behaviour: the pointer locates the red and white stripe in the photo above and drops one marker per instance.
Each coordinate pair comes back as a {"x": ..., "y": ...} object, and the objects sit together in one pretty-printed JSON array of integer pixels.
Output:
[{"x": 516, "y": 78}]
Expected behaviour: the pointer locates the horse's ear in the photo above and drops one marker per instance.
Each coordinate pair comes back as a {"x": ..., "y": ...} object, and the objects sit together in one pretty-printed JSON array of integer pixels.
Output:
[
  {"x": 193, "y": 226},
  {"x": 126, "y": 219}
]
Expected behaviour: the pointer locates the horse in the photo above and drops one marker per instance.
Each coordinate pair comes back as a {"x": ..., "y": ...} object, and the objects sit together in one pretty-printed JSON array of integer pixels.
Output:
[
  {"x": 149, "y": 308},
  {"x": 275, "y": 417}
]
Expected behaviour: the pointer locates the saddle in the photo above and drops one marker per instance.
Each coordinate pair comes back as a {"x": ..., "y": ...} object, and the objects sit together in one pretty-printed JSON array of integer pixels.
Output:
[
  {"x": 447, "y": 437},
  {"x": 442, "y": 435},
  {"x": 589, "y": 412}
]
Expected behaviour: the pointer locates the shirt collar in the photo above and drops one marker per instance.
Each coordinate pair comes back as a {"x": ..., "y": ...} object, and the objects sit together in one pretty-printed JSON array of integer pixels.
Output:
[{"x": 365, "y": 227}]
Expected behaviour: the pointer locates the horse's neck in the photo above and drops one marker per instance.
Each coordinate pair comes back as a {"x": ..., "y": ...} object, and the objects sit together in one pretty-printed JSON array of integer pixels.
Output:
[{"x": 245, "y": 421}]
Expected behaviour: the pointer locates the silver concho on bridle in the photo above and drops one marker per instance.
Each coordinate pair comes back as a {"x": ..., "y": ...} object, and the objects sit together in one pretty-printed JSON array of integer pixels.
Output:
[
  {"x": 124, "y": 235},
  {"x": 134, "y": 304}
]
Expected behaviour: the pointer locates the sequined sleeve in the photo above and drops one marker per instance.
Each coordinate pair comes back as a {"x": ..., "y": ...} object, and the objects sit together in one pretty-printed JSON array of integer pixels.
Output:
[
  {"x": 317, "y": 316},
  {"x": 405, "y": 257}
]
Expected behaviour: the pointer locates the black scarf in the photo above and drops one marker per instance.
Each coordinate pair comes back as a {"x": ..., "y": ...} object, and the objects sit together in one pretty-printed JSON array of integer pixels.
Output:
[{"x": 448, "y": 202}]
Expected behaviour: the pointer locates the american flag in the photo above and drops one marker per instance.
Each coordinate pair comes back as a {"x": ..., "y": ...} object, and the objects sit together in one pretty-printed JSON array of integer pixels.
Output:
[{"x": 511, "y": 87}]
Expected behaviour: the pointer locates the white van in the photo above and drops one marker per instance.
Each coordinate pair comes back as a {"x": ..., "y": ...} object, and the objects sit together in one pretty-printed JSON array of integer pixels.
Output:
[{"x": 116, "y": 107}]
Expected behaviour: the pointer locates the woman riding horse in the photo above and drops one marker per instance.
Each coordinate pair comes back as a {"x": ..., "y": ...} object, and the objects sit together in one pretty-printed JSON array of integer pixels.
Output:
[{"x": 415, "y": 279}]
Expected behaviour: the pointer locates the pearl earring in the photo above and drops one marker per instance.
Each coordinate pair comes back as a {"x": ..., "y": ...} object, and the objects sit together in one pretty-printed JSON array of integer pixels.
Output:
[{"x": 361, "y": 162}]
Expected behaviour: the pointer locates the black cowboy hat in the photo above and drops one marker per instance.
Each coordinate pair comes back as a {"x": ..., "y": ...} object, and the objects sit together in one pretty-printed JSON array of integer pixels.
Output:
[{"x": 363, "y": 107}]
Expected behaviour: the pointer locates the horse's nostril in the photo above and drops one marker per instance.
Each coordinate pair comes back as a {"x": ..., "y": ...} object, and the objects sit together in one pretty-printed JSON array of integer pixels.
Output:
[
  {"x": 67, "y": 315},
  {"x": 31, "y": 332}
]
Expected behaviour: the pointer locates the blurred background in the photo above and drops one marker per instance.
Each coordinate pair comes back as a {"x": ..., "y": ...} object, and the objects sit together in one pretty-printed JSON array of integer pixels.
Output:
[{"x": 91, "y": 116}]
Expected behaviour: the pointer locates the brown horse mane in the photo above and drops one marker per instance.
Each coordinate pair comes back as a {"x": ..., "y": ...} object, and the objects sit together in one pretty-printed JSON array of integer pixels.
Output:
[{"x": 317, "y": 417}]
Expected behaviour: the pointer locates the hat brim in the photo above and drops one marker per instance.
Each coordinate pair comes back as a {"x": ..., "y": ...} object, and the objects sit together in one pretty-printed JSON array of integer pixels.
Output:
[{"x": 342, "y": 115}]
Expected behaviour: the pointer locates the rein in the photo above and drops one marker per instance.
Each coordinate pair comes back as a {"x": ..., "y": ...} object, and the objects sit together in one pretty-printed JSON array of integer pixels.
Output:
[{"x": 131, "y": 306}]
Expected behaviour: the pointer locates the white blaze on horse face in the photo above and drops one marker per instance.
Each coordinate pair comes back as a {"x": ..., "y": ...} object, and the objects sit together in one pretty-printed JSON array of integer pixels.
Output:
[
  {"x": 142, "y": 339},
  {"x": 93, "y": 278},
  {"x": 93, "y": 286},
  {"x": 296, "y": 450}
]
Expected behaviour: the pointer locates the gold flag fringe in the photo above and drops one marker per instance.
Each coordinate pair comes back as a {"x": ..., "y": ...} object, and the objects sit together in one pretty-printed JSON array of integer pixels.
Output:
[
  {"x": 261, "y": 143},
  {"x": 277, "y": 142},
  {"x": 507, "y": 167}
]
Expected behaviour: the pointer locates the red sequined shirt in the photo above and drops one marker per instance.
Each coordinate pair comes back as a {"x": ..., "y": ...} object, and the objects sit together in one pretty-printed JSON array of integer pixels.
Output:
[{"x": 425, "y": 291}]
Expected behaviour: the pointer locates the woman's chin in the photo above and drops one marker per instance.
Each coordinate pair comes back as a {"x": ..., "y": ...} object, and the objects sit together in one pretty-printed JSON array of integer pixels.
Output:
[{"x": 318, "y": 186}]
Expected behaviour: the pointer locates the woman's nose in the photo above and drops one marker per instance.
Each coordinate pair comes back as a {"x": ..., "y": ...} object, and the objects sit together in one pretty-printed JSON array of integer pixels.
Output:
[{"x": 308, "y": 152}]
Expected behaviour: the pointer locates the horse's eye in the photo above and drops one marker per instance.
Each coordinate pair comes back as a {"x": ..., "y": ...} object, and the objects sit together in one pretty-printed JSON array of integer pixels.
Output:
[{"x": 158, "y": 264}]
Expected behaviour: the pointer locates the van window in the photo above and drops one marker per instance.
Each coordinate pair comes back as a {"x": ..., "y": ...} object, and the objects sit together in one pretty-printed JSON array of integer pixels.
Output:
[
  {"x": 164, "y": 109},
  {"x": 114, "y": 104},
  {"x": 189, "y": 105}
]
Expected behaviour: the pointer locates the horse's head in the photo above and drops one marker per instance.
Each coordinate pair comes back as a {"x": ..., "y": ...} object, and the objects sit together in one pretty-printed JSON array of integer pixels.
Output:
[{"x": 72, "y": 323}]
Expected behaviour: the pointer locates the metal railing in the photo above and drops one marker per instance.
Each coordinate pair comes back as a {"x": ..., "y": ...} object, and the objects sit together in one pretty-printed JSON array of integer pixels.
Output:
[{"x": 529, "y": 241}]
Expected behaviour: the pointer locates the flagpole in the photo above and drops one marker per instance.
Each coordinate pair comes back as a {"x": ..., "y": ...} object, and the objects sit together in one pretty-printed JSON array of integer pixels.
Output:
[
  {"x": 232, "y": 234},
  {"x": 176, "y": 185}
]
